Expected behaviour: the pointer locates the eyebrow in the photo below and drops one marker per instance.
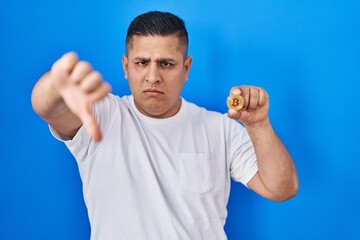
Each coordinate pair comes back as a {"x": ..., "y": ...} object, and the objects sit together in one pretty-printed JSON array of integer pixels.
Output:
[{"x": 146, "y": 59}]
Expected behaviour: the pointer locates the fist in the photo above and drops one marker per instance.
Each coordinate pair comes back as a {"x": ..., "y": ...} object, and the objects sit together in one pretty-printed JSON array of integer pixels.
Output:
[
  {"x": 68, "y": 71},
  {"x": 80, "y": 87},
  {"x": 255, "y": 105}
]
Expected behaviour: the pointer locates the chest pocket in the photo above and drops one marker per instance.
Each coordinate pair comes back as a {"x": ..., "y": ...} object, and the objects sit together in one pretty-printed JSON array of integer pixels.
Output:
[{"x": 196, "y": 171}]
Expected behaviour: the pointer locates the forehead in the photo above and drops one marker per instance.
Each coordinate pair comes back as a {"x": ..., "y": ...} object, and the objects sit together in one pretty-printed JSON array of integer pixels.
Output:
[{"x": 153, "y": 45}]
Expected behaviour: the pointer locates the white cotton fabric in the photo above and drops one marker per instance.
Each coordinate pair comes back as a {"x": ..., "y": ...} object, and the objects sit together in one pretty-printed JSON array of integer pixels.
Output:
[{"x": 163, "y": 179}]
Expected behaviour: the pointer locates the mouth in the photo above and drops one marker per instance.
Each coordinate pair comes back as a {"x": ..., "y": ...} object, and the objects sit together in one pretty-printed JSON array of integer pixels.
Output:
[{"x": 152, "y": 92}]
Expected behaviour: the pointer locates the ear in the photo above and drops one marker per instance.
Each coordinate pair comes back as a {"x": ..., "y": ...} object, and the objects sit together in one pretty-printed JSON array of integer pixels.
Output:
[
  {"x": 187, "y": 66},
  {"x": 125, "y": 64}
]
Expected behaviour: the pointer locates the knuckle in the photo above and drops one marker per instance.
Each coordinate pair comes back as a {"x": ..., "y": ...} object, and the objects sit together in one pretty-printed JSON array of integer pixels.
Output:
[
  {"x": 67, "y": 61},
  {"x": 100, "y": 92},
  {"x": 96, "y": 76},
  {"x": 85, "y": 66},
  {"x": 70, "y": 55},
  {"x": 107, "y": 87},
  {"x": 59, "y": 66},
  {"x": 263, "y": 91}
]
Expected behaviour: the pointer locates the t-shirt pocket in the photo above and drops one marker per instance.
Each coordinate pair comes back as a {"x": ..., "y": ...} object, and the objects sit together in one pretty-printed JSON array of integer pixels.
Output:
[{"x": 196, "y": 171}]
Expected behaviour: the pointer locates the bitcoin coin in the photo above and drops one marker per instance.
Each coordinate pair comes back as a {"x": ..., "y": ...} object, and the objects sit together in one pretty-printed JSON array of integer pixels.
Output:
[{"x": 235, "y": 102}]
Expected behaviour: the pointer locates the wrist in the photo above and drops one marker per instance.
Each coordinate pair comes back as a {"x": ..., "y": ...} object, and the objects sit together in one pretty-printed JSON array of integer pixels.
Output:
[
  {"x": 259, "y": 129},
  {"x": 258, "y": 125}
]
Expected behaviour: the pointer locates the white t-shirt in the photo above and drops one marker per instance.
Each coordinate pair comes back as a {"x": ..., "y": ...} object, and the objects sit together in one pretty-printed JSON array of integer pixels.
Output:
[{"x": 163, "y": 179}]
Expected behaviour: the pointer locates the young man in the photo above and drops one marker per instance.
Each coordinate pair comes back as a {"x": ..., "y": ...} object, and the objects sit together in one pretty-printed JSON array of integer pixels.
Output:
[{"x": 153, "y": 165}]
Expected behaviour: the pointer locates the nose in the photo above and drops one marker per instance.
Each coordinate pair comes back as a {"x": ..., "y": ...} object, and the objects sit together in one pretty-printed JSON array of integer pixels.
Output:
[{"x": 152, "y": 75}]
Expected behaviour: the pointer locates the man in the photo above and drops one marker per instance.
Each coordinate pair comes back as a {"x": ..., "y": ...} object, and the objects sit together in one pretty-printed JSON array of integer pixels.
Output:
[{"x": 153, "y": 165}]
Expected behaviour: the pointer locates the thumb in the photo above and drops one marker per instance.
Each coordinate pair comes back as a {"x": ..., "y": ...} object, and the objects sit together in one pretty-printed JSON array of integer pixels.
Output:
[
  {"x": 233, "y": 114},
  {"x": 91, "y": 125}
]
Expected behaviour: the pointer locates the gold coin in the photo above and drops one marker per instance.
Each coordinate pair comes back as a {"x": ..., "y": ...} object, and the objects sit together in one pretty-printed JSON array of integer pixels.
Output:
[{"x": 235, "y": 102}]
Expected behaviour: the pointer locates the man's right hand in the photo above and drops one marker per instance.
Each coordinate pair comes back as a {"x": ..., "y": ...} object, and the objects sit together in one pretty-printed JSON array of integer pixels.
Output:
[{"x": 80, "y": 87}]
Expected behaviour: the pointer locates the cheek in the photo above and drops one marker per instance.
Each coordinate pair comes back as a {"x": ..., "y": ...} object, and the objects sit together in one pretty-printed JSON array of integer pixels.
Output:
[
  {"x": 134, "y": 77},
  {"x": 133, "y": 84},
  {"x": 176, "y": 86}
]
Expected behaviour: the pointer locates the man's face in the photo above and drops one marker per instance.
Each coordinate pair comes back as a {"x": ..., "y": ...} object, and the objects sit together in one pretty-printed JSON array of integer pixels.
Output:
[{"x": 156, "y": 71}]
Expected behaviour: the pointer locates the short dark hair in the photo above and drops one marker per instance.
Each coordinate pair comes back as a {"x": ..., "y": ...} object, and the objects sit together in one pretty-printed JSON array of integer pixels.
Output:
[{"x": 157, "y": 23}]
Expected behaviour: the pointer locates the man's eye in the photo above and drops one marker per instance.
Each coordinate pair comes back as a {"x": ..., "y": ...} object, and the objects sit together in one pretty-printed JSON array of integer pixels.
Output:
[
  {"x": 141, "y": 63},
  {"x": 166, "y": 64}
]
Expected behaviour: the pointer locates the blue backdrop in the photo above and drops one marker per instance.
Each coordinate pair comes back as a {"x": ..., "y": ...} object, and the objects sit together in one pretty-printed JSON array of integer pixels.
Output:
[{"x": 305, "y": 53}]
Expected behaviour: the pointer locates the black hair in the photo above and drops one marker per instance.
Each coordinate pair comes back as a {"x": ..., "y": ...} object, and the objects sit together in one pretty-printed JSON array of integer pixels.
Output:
[{"x": 157, "y": 23}]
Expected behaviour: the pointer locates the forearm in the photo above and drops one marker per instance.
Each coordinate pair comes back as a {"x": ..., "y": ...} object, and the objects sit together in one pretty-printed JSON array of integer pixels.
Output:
[
  {"x": 276, "y": 167},
  {"x": 46, "y": 100},
  {"x": 50, "y": 106}
]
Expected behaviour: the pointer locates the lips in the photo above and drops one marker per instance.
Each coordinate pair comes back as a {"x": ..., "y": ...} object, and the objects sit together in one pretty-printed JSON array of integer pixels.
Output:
[{"x": 153, "y": 92}]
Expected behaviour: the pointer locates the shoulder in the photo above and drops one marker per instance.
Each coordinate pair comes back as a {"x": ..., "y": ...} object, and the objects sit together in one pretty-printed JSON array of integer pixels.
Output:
[
  {"x": 110, "y": 108},
  {"x": 112, "y": 102}
]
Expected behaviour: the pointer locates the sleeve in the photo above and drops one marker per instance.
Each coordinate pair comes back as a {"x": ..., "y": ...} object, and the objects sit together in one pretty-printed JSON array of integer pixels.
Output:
[
  {"x": 243, "y": 162},
  {"x": 82, "y": 146}
]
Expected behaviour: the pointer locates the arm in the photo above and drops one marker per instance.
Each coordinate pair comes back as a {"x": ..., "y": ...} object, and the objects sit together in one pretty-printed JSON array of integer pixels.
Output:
[
  {"x": 277, "y": 178},
  {"x": 64, "y": 97}
]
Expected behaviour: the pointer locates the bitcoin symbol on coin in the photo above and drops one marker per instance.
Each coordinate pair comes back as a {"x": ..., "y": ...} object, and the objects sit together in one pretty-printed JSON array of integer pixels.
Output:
[{"x": 235, "y": 102}]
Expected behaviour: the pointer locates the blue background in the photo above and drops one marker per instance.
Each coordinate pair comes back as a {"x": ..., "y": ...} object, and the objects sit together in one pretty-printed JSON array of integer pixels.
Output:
[{"x": 306, "y": 54}]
